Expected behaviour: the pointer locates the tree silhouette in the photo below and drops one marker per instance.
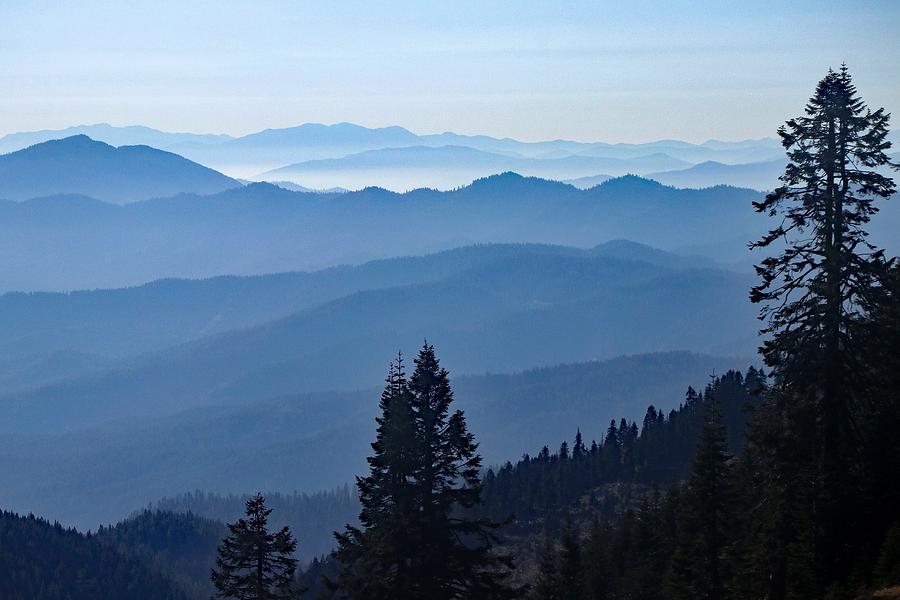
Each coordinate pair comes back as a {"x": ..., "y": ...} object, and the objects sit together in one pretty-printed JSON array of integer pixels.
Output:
[
  {"x": 377, "y": 559},
  {"x": 418, "y": 537},
  {"x": 253, "y": 563},
  {"x": 817, "y": 294}
]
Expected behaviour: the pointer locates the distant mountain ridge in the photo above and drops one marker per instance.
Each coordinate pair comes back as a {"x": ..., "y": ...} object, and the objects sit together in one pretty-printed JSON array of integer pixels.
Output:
[
  {"x": 117, "y": 323},
  {"x": 273, "y": 148},
  {"x": 446, "y": 167},
  {"x": 67, "y": 242},
  {"x": 489, "y": 308},
  {"x": 761, "y": 176},
  {"x": 131, "y": 135},
  {"x": 80, "y": 165}
]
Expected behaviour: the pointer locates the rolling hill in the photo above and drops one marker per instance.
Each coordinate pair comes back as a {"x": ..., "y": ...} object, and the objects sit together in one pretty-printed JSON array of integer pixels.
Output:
[
  {"x": 44, "y": 560},
  {"x": 80, "y": 165}
]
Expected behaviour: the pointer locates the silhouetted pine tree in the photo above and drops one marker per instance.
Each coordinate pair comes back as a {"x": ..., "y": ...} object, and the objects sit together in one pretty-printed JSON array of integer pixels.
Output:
[
  {"x": 418, "y": 537},
  {"x": 378, "y": 558},
  {"x": 253, "y": 563},
  {"x": 817, "y": 296},
  {"x": 455, "y": 558}
]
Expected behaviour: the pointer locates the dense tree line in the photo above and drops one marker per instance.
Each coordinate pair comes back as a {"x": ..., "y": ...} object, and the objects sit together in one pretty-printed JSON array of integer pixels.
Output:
[{"x": 656, "y": 453}]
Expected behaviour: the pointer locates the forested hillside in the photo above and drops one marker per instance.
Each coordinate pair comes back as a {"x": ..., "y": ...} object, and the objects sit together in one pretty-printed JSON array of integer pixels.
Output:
[
  {"x": 44, "y": 560},
  {"x": 178, "y": 546}
]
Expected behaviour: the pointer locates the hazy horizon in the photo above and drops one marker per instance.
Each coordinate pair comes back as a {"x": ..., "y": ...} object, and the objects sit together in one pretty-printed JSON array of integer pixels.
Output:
[
  {"x": 122, "y": 125},
  {"x": 584, "y": 72}
]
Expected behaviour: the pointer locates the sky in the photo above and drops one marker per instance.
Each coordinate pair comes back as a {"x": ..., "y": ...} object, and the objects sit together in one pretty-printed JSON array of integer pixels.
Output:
[{"x": 593, "y": 71}]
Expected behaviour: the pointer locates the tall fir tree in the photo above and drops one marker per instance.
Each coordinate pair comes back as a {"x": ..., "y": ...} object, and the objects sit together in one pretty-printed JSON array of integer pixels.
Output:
[
  {"x": 254, "y": 563},
  {"x": 377, "y": 559},
  {"x": 418, "y": 537},
  {"x": 457, "y": 558},
  {"x": 816, "y": 295}
]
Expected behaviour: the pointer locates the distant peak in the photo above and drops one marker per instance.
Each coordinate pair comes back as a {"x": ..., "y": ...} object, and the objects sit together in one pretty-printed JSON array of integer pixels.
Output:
[
  {"x": 512, "y": 180},
  {"x": 631, "y": 181},
  {"x": 77, "y": 141}
]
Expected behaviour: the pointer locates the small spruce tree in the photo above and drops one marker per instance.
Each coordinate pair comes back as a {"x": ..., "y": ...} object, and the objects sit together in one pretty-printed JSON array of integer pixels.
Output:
[{"x": 254, "y": 563}]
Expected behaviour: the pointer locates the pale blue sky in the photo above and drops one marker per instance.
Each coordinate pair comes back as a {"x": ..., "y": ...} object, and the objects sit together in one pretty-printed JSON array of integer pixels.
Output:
[{"x": 612, "y": 71}]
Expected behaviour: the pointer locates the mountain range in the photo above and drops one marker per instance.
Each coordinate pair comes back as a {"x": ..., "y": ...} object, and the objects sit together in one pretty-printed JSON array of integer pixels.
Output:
[
  {"x": 490, "y": 308},
  {"x": 317, "y": 156},
  {"x": 270, "y": 381},
  {"x": 119, "y": 323},
  {"x": 67, "y": 242},
  {"x": 80, "y": 165},
  {"x": 255, "y": 153}
]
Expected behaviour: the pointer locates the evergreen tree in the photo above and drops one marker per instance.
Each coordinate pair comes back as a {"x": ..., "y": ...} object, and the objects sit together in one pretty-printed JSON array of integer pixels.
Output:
[
  {"x": 253, "y": 563},
  {"x": 456, "y": 558},
  {"x": 377, "y": 559},
  {"x": 611, "y": 451},
  {"x": 418, "y": 537},
  {"x": 578, "y": 449},
  {"x": 698, "y": 568},
  {"x": 816, "y": 296}
]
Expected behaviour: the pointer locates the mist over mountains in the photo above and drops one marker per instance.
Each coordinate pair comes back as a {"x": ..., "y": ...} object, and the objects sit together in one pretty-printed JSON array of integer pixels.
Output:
[
  {"x": 181, "y": 378},
  {"x": 489, "y": 308},
  {"x": 317, "y": 441},
  {"x": 256, "y": 153},
  {"x": 447, "y": 167}
]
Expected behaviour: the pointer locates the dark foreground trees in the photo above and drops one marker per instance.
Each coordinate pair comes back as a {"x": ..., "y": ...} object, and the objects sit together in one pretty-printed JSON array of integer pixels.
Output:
[
  {"x": 254, "y": 563},
  {"x": 417, "y": 538},
  {"x": 810, "y": 507}
]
